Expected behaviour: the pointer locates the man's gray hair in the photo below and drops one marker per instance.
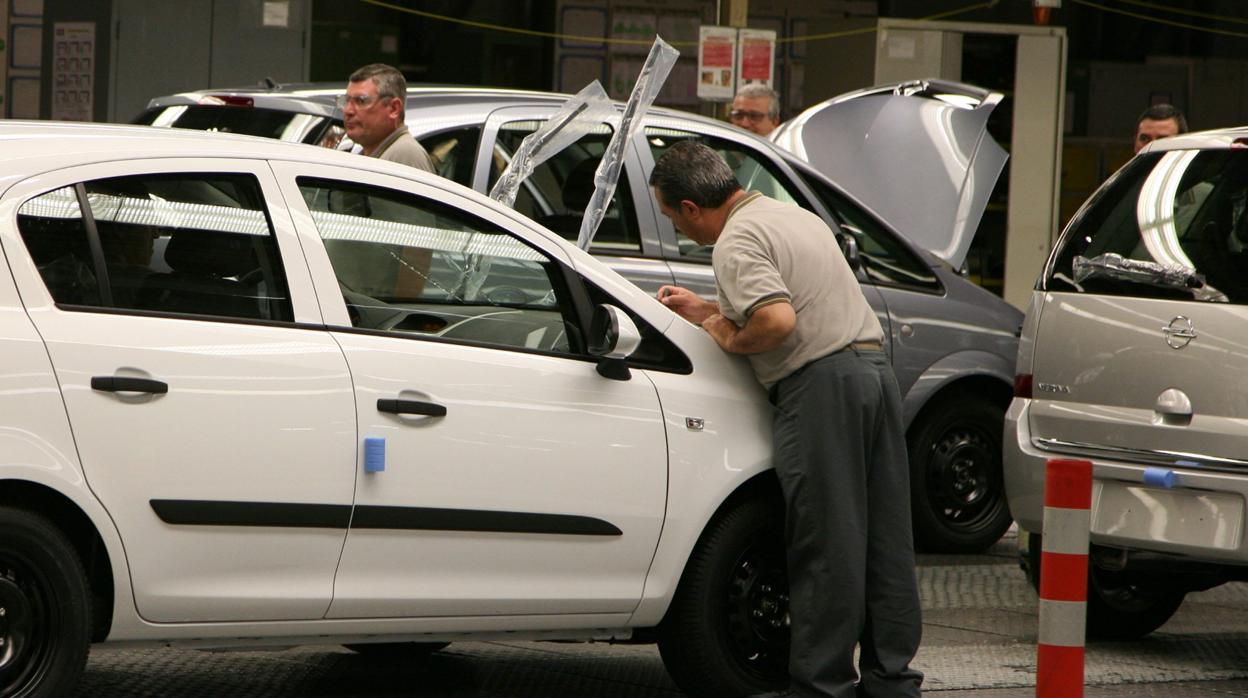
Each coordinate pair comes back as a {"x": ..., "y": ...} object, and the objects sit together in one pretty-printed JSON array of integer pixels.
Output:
[
  {"x": 758, "y": 90},
  {"x": 691, "y": 170},
  {"x": 388, "y": 79}
]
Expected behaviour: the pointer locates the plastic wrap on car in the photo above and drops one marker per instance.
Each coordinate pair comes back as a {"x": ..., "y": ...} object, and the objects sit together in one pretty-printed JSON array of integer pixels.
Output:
[
  {"x": 578, "y": 117},
  {"x": 653, "y": 73},
  {"x": 1114, "y": 266}
]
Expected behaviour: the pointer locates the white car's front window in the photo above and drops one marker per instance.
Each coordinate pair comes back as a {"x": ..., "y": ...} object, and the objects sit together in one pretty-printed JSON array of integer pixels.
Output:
[{"x": 410, "y": 265}]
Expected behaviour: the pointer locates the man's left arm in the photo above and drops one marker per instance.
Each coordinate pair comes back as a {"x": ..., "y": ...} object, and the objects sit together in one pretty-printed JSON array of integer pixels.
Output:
[{"x": 765, "y": 329}]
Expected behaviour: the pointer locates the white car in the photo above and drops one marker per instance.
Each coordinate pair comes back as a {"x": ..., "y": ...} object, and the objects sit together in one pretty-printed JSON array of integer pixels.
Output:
[{"x": 259, "y": 394}]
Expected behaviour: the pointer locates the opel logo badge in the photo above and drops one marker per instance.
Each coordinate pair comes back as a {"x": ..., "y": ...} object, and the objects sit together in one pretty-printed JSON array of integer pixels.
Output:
[{"x": 1179, "y": 333}]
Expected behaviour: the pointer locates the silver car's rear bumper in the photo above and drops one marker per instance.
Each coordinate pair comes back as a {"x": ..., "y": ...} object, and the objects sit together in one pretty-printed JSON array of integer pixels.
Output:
[{"x": 1201, "y": 516}]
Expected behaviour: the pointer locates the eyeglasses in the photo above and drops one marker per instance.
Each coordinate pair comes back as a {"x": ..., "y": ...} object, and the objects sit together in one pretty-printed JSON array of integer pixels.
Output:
[
  {"x": 741, "y": 115},
  {"x": 360, "y": 101}
]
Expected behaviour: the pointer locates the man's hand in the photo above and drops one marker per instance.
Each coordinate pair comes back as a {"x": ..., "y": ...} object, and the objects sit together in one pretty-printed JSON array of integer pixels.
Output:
[{"x": 687, "y": 304}]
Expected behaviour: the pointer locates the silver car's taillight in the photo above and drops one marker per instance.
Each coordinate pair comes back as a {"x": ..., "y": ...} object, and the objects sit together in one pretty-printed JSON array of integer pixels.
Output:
[
  {"x": 1022, "y": 385},
  {"x": 1026, "y": 346}
]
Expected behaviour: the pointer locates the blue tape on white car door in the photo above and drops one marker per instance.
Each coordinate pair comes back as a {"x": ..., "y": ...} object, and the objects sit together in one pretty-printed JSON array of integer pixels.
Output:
[{"x": 374, "y": 454}]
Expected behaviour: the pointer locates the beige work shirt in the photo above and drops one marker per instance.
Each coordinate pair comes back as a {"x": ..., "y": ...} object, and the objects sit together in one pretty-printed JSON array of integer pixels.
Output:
[
  {"x": 772, "y": 252},
  {"x": 400, "y": 147}
]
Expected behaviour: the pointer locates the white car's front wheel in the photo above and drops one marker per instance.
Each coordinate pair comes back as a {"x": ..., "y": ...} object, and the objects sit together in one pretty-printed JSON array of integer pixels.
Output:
[{"x": 727, "y": 632}]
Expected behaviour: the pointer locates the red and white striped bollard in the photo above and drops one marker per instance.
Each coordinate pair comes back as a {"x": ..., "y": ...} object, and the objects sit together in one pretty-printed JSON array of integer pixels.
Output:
[{"x": 1064, "y": 578}]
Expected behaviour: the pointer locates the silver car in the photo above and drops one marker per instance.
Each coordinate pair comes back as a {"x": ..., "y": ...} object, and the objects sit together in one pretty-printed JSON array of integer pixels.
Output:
[
  {"x": 952, "y": 343},
  {"x": 1134, "y": 356}
]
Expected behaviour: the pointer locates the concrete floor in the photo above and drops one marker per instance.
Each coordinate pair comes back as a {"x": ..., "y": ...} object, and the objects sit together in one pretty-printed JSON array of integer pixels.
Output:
[{"x": 979, "y": 641}]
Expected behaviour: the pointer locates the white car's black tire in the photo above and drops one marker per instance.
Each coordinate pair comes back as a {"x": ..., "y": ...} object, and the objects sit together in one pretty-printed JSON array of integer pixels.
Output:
[
  {"x": 727, "y": 631},
  {"x": 45, "y": 628}
]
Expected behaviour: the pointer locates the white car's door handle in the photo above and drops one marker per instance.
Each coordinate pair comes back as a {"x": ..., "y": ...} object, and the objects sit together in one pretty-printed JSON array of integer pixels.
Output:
[
  {"x": 428, "y": 409},
  {"x": 128, "y": 384}
]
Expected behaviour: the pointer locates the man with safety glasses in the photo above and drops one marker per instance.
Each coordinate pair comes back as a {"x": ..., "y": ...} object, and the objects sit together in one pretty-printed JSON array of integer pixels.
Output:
[
  {"x": 373, "y": 110},
  {"x": 756, "y": 108}
]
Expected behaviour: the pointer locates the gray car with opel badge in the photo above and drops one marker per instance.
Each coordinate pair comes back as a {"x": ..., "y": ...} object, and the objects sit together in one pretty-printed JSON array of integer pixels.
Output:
[{"x": 1134, "y": 356}]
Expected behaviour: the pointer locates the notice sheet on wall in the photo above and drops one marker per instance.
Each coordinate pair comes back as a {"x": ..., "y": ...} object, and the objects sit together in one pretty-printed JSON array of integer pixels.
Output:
[
  {"x": 716, "y": 63},
  {"x": 73, "y": 71}
]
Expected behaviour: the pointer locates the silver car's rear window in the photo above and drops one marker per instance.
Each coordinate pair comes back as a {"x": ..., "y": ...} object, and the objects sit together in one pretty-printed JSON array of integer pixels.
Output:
[
  {"x": 268, "y": 123},
  {"x": 1168, "y": 225}
]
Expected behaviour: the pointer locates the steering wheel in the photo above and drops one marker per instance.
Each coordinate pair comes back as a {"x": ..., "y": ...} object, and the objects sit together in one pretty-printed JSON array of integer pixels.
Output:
[{"x": 507, "y": 295}]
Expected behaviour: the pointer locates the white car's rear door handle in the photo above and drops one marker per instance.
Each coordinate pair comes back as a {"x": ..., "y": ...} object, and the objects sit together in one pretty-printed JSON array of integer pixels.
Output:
[
  {"x": 428, "y": 409},
  {"x": 128, "y": 384}
]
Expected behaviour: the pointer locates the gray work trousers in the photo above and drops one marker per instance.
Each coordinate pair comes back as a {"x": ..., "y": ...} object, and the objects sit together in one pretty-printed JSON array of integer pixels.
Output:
[{"x": 840, "y": 454}]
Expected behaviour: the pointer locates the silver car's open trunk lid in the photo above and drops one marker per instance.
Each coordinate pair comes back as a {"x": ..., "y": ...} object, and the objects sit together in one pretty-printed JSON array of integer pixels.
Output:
[{"x": 917, "y": 153}]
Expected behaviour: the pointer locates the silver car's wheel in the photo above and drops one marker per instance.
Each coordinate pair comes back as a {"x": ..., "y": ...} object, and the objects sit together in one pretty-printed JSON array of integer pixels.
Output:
[
  {"x": 957, "y": 490},
  {"x": 1123, "y": 606}
]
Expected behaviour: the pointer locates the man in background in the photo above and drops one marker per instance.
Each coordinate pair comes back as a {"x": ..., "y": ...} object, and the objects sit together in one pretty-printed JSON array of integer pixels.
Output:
[
  {"x": 373, "y": 110},
  {"x": 756, "y": 108},
  {"x": 1158, "y": 121},
  {"x": 1163, "y": 121}
]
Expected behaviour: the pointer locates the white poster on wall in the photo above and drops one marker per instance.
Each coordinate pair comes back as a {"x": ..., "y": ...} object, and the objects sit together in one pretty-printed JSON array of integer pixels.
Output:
[
  {"x": 717, "y": 63},
  {"x": 756, "y": 57},
  {"x": 73, "y": 71}
]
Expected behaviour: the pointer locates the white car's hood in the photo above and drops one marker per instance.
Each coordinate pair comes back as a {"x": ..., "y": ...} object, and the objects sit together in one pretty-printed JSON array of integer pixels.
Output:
[{"x": 917, "y": 153}]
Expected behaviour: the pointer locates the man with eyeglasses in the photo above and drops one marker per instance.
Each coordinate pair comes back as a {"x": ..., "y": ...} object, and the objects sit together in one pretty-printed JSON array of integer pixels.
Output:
[
  {"x": 373, "y": 110},
  {"x": 756, "y": 108}
]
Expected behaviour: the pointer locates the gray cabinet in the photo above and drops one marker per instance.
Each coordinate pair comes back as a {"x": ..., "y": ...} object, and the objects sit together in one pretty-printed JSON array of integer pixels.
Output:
[{"x": 143, "y": 48}]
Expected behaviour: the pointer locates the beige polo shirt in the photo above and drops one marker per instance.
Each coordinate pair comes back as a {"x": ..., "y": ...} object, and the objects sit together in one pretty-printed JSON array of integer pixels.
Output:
[
  {"x": 402, "y": 148},
  {"x": 771, "y": 252}
]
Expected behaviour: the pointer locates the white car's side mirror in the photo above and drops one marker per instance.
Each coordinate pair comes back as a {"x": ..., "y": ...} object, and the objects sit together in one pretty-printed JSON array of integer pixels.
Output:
[{"x": 613, "y": 337}]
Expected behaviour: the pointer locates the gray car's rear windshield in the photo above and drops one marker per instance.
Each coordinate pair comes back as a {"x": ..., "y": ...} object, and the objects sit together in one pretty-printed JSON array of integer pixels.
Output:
[
  {"x": 1169, "y": 225},
  {"x": 251, "y": 121}
]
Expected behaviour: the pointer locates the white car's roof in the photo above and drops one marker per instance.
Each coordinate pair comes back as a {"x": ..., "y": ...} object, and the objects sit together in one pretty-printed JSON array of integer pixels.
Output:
[
  {"x": 32, "y": 147},
  {"x": 1219, "y": 139}
]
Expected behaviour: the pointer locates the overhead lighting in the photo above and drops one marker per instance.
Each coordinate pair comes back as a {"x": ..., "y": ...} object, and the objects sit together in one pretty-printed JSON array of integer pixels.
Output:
[{"x": 338, "y": 226}]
